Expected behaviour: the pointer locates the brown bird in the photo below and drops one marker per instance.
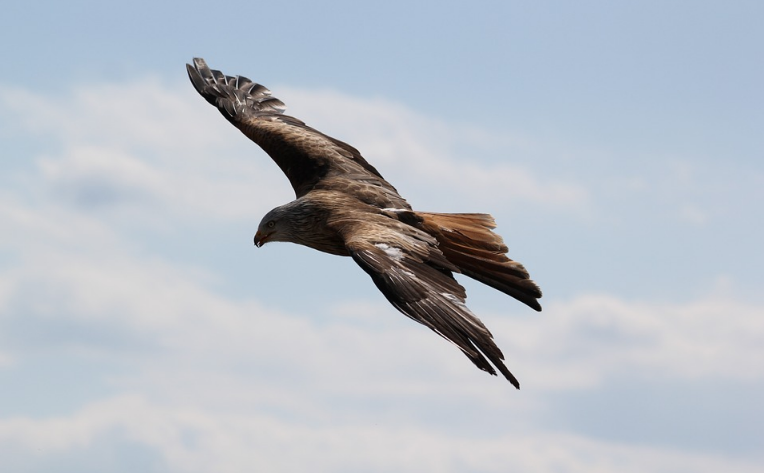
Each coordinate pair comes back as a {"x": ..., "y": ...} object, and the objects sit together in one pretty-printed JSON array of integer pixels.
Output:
[{"x": 345, "y": 207}]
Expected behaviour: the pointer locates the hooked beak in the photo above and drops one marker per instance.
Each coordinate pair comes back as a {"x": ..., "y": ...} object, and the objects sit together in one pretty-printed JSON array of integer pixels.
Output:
[{"x": 260, "y": 239}]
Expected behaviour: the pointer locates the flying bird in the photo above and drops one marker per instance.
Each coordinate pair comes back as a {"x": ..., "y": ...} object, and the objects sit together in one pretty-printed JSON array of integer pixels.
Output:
[{"x": 343, "y": 206}]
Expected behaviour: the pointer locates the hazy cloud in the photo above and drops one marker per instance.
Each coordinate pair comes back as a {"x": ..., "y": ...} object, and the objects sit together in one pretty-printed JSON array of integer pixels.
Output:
[
  {"x": 186, "y": 439},
  {"x": 202, "y": 380}
]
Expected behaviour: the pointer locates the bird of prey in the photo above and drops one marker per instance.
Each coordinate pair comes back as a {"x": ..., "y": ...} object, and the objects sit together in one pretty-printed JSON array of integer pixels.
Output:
[{"x": 344, "y": 206}]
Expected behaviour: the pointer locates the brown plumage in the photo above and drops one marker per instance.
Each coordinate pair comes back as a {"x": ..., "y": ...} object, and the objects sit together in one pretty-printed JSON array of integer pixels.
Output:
[{"x": 345, "y": 207}]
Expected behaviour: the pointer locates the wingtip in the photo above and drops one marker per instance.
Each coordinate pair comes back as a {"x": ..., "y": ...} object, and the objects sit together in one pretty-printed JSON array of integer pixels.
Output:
[
  {"x": 197, "y": 63},
  {"x": 232, "y": 95},
  {"x": 509, "y": 377},
  {"x": 512, "y": 380},
  {"x": 191, "y": 71},
  {"x": 196, "y": 78}
]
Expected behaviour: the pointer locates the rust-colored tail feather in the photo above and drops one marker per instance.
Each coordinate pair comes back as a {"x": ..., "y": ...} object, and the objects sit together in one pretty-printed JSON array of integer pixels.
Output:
[{"x": 467, "y": 241}]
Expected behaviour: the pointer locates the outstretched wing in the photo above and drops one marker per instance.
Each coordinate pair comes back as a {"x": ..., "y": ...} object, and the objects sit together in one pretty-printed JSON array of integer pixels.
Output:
[
  {"x": 415, "y": 277},
  {"x": 309, "y": 158}
]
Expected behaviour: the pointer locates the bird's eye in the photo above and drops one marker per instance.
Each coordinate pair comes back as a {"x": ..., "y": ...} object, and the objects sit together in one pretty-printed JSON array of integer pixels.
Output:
[{"x": 271, "y": 224}]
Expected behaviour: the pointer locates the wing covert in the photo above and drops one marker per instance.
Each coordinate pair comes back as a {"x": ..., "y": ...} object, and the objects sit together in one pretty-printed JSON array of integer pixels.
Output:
[{"x": 305, "y": 155}]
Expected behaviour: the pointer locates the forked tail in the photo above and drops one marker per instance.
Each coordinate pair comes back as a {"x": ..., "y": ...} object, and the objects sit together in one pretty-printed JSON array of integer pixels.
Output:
[{"x": 467, "y": 241}]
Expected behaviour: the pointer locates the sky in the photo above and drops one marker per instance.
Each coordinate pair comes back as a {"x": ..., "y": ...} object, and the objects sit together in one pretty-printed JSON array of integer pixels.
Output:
[{"x": 619, "y": 146}]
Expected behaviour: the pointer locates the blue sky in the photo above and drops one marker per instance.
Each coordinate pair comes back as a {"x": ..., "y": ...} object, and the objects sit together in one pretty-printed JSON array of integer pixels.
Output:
[{"x": 618, "y": 145}]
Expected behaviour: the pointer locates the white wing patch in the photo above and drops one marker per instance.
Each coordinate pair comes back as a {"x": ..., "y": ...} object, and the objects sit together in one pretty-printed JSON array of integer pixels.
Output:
[
  {"x": 455, "y": 300},
  {"x": 391, "y": 251}
]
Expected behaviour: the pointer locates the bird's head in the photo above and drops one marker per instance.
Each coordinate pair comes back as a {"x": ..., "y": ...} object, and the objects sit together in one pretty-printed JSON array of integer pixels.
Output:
[
  {"x": 284, "y": 223},
  {"x": 275, "y": 226},
  {"x": 295, "y": 222}
]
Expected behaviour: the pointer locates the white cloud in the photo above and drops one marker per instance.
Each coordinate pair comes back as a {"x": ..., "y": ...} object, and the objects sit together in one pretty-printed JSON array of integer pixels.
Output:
[
  {"x": 597, "y": 337},
  {"x": 191, "y": 440},
  {"x": 145, "y": 139},
  {"x": 420, "y": 154},
  {"x": 67, "y": 247},
  {"x": 89, "y": 275},
  {"x": 144, "y": 113},
  {"x": 148, "y": 149},
  {"x": 338, "y": 387},
  {"x": 101, "y": 176}
]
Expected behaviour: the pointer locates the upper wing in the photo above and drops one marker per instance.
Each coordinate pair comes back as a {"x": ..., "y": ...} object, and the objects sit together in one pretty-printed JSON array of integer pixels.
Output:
[
  {"x": 406, "y": 265},
  {"x": 306, "y": 156}
]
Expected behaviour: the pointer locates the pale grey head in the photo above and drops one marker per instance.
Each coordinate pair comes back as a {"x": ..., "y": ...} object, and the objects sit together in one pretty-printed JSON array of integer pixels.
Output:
[
  {"x": 302, "y": 221},
  {"x": 277, "y": 225}
]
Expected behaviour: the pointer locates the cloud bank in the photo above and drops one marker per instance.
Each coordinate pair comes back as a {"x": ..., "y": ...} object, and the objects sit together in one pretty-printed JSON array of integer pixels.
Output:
[{"x": 178, "y": 374}]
